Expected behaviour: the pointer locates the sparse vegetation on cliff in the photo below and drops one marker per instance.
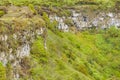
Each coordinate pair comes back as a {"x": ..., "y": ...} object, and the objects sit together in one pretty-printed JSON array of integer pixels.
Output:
[{"x": 2, "y": 72}]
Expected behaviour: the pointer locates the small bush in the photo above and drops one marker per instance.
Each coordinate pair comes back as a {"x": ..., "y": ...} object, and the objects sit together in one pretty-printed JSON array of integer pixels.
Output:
[
  {"x": 69, "y": 22},
  {"x": 64, "y": 12},
  {"x": 2, "y": 13},
  {"x": 2, "y": 72},
  {"x": 112, "y": 32},
  {"x": 31, "y": 6},
  {"x": 46, "y": 19},
  {"x": 39, "y": 51},
  {"x": 50, "y": 25}
]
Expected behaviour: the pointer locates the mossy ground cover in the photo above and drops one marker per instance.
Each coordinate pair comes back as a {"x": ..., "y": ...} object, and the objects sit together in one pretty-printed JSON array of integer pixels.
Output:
[
  {"x": 58, "y": 3},
  {"x": 2, "y": 72},
  {"x": 80, "y": 56}
]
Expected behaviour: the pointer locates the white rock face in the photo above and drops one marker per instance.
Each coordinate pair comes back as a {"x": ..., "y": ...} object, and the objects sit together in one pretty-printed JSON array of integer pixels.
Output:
[
  {"x": 114, "y": 22},
  {"x": 75, "y": 14},
  {"x": 3, "y": 37},
  {"x": 3, "y": 58},
  {"x": 61, "y": 24},
  {"x": 111, "y": 15},
  {"x": 13, "y": 52},
  {"x": 14, "y": 36},
  {"x": 39, "y": 31},
  {"x": 23, "y": 51},
  {"x": 101, "y": 20}
]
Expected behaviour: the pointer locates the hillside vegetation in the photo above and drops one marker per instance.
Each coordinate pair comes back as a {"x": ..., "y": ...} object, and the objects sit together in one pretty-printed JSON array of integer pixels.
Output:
[
  {"x": 75, "y": 55},
  {"x": 80, "y": 56},
  {"x": 104, "y": 3},
  {"x": 87, "y": 55}
]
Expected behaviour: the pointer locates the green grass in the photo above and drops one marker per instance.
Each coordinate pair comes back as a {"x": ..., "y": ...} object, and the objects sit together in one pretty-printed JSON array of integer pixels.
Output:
[
  {"x": 2, "y": 72},
  {"x": 2, "y": 13},
  {"x": 81, "y": 56},
  {"x": 58, "y": 3}
]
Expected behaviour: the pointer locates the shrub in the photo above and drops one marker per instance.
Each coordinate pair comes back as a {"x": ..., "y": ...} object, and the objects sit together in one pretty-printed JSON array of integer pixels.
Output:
[
  {"x": 39, "y": 51},
  {"x": 46, "y": 19},
  {"x": 1, "y": 13},
  {"x": 2, "y": 72},
  {"x": 31, "y": 6},
  {"x": 50, "y": 25},
  {"x": 9, "y": 70},
  {"x": 69, "y": 22},
  {"x": 38, "y": 22},
  {"x": 64, "y": 12},
  {"x": 112, "y": 32}
]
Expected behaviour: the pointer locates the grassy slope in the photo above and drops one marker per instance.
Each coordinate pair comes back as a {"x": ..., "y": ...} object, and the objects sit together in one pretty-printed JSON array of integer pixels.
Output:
[
  {"x": 81, "y": 56},
  {"x": 2, "y": 72},
  {"x": 88, "y": 55},
  {"x": 102, "y": 3}
]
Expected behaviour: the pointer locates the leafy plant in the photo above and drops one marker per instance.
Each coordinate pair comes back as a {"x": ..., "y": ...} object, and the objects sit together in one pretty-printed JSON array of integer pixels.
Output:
[
  {"x": 39, "y": 51},
  {"x": 2, "y": 13},
  {"x": 2, "y": 72}
]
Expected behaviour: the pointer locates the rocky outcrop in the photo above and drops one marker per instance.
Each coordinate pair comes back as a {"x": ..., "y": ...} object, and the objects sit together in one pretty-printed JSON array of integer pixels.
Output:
[
  {"x": 61, "y": 24},
  {"x": 17, "y": 33},
  {"x": 83, "y": 20}
]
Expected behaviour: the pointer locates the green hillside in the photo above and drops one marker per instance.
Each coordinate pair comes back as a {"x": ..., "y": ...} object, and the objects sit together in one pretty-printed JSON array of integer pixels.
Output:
[
  {"x": 80, "y": 56},
  {"x": 90, "y": 54},
  {"x": 104, "y": 3}
]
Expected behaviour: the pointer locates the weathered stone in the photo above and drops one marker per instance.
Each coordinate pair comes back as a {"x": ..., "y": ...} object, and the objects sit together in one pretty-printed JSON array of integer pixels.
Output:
[{"x": 101, "y": 20}]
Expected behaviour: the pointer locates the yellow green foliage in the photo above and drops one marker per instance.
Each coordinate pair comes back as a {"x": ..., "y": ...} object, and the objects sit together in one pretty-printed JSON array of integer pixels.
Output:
[
  {"x": 102, "y": 3},
  {"x": 51, "y": 25},
  {"x": 18, "y": 24},
  {"x": 2, "y": 13},
  {"x": 2, "y": 72},
  {"x": 32, "y": 8},
  {"x": 80, "y": 56},
  {"x": 39, "y": 51}
]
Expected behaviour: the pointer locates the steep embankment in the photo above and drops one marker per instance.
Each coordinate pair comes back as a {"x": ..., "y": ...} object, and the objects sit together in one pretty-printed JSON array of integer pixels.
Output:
[
  {"x": 81, "y": 56},
  {"x": 35, "y": 46}
]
